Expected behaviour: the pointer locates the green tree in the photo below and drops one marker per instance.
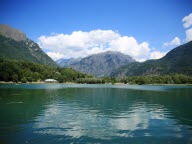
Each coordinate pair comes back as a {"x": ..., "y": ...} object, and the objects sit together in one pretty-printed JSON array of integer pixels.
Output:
[
  {"x": 15, "y": 78},
  {"x": 36, "y": 76},
  {"x": 23, "y": 79},
  {"x": 61, "y": 79},
  {"x": 176, "y": 79}
]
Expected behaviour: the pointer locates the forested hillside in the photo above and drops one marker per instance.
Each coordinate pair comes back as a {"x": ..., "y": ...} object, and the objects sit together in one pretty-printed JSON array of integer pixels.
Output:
[
  {"x": 11, "y": 70},
  {"x": 177, "y": 61},
  {"x": 16, "y": 46}
]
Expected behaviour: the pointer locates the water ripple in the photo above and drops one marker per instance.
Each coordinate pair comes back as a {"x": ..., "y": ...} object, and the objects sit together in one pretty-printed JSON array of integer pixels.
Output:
[{"x": 96, "y": 114}]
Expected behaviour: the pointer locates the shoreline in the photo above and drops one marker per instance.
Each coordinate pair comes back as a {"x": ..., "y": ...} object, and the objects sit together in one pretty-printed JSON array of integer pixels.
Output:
[{"x": 155, "y": 84}]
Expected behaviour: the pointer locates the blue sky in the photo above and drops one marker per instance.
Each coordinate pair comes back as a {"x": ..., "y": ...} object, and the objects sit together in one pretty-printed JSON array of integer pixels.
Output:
[{"x": 151, "y": 22}]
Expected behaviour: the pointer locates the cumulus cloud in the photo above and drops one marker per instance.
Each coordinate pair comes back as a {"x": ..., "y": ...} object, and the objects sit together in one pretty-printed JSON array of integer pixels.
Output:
[
  {"x": 187, "y": 20},
  {"x": 78, "y": 44},
  {"x": 188, "y": 35},
  {"x": 81, "y": 44},
  {"x": 130, "y": 46},
  {"x": 157, "y": 55},
  {"x": 141, "y": 60},
  {"x": 55, "y": 55},
  {"x": 187, "y": 23},
  {"x": 175, "y": 42}
]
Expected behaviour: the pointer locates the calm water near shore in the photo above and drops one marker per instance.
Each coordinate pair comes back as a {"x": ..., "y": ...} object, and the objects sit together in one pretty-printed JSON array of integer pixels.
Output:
[{"x": 74, "y": 113}]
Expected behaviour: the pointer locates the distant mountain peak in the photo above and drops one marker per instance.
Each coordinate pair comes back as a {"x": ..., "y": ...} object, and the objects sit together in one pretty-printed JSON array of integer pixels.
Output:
[
  {"x": 12, "y": 33},
  {"x": 109, "y": 52},
  {"x": 100, "y": 64},
  {"x": 68, "y": 62}
]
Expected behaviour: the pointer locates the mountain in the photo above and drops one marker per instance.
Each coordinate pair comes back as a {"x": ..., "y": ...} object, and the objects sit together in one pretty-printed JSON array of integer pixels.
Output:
[
  {"x": 67, "y": 62},
  {"x": 102, "y": 64},
  {"x": 15, "y": 45},
  {"x": 178, "y": 60}
]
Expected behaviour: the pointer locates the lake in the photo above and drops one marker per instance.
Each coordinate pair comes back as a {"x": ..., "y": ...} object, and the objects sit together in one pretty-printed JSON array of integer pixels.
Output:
[{"x": 69, "y": 113}]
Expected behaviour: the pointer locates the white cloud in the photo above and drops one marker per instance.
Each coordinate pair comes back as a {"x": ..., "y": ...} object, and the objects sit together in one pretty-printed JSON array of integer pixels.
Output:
[
  {"x": 187, "y": 21},
  {"x": 78, "y": 44},
  {"x": 81, "y": 44},
  {"x": 141, "y": 60},
  {"x": 130, "y": 46},
  {"x": 55, "y": 56},
  {"x": 157, "y": 55},
  {"x": 188, "y": 35},
  {"x": 175, "y": 42}
]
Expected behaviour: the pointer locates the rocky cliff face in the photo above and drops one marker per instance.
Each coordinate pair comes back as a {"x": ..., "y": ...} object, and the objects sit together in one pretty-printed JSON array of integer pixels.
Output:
[
  {"x": 15, "y": 45},
  {"x": 102, "y": 64},
  {"x": 14, "y": 34}
]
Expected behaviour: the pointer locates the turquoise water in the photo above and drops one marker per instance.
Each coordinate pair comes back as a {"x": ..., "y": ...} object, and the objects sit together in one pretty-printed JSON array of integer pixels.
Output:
[{"x": 61, "y": 113}]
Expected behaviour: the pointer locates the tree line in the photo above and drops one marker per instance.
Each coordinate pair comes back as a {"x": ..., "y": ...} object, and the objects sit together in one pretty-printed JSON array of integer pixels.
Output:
[
  {"x": 140, "y": 80},
  {"x": 23, "y": 71},
  {"x": 162, "y": 79}
]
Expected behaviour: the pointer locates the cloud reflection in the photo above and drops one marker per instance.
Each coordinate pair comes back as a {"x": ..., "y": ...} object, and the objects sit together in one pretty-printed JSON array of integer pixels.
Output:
[{"x": 74, "y": 121}]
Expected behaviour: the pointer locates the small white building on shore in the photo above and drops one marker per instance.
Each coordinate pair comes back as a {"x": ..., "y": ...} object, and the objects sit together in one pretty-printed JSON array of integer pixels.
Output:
[{"x": 50, "y": 81}]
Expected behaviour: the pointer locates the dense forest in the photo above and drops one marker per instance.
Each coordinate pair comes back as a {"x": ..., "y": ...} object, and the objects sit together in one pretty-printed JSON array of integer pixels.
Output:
[
  {"x": 162, "y": 79},
  {"x": 11, "y": 70},
  {"x": 22, "y": 71}
]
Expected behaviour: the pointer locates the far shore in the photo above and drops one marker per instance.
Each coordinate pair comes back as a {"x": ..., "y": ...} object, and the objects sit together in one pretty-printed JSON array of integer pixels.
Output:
[{"x": 41, "y": 82}]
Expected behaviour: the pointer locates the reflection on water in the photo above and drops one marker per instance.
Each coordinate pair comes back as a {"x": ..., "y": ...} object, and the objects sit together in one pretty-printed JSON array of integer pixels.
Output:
[{"x": 95, "y": 114}]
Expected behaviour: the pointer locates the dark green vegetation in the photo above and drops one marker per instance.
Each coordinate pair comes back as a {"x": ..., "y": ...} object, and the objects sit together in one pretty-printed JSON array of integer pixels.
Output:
[
  {"x": 16, "y": 46},
  {"x": 11, "y": 70},
  {"x": 165, "y": 79},
  {"x": 177, "y": 61},
  {"x": 94, "y": 80}
]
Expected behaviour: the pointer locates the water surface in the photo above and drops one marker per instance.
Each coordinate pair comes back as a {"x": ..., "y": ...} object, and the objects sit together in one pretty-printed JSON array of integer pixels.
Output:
[{"x": 61, "y": 113}]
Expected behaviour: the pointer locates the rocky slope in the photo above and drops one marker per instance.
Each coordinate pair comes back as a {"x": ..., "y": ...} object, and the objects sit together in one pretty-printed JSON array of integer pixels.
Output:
[
  {"x": 67, "y": 62},
  {"x": 102, "y": 64},
  {"x": 15, "y": 45}
]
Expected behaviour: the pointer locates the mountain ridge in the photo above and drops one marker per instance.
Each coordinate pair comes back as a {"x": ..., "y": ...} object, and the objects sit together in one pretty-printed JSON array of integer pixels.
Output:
[
  {"x": 178, "y": 60},
  {"x": 16, "y": 46},
  {"x": 102, "y": 64},
  {"x": 67, "y": 62},
  {"x": 12, "y": 33}
]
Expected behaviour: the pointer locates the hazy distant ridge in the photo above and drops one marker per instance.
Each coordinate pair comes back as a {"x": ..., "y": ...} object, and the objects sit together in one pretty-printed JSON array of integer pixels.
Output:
[{"x": 101, "y": 64}]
